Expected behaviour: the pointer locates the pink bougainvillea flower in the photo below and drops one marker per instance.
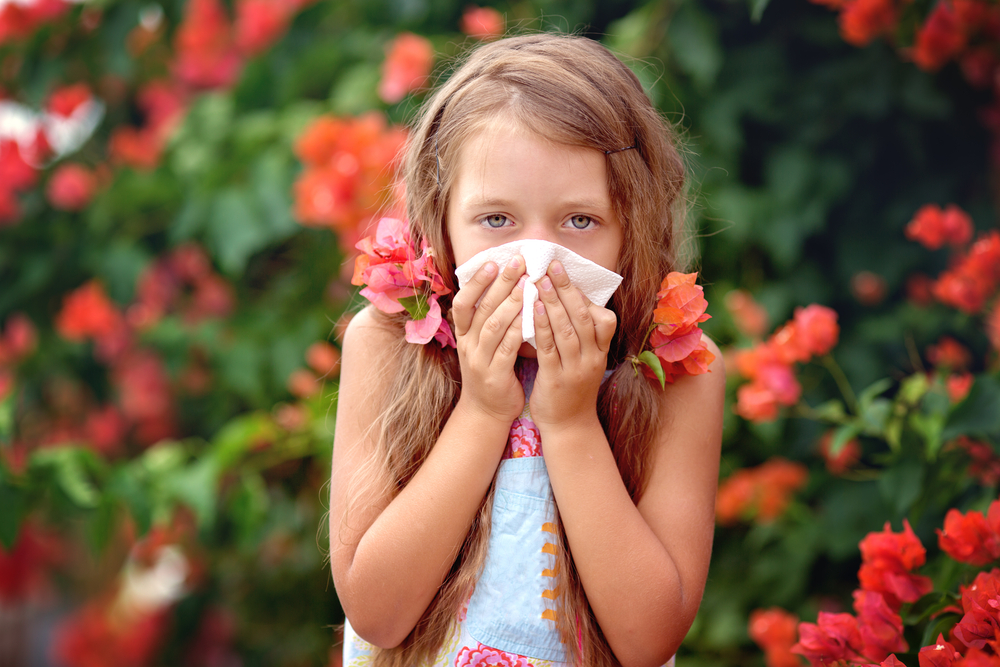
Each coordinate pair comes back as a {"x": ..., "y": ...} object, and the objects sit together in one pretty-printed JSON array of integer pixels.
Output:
[
  {"x": 323, "y": 358},
  {"x": 887, "y": 562},
  {"x": 19, "y": 339},
  {"x": 868, "y": 288},
  {"x": 817, "y": 328},
  {"x": 20, "y": 19},
  {"x": 757, "y": 403},
  {"x": 25, "y": 567},
  {"x": 71, "y": 187},
  {"x": 482, "y": 23},
  {"x": 676, "y": 338},
  {"x": 749, "y": 316},
  {"x": 959, "y": 385},
  {"x": 406, "y": 68},
  {"x": 96, "y": 635},
  {"x": 66, "y": 100},
  {"x": 973, "y": 278}
]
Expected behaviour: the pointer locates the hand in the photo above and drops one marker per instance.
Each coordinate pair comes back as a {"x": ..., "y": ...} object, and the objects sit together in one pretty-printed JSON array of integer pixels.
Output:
[
  {"x": 489, "y": 336},
  {"x": 573, "y": 337}
]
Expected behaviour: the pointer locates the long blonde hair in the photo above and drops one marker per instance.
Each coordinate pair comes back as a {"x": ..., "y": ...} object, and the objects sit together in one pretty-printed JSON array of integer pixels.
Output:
[{"x": 573, "y": 91}]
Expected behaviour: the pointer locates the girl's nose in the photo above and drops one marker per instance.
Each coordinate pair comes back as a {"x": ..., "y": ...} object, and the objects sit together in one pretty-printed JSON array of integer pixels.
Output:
[{"x": 540, "y": 231}]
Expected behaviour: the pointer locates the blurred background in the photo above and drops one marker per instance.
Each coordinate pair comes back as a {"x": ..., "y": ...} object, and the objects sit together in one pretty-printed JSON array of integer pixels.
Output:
[{"x": 182, "y": 184}]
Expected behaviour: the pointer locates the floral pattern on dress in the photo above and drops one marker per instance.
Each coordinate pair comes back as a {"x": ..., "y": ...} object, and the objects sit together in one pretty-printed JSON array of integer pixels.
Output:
[
  {"x": 524, "y": 440},
  {"x": 483, "y": 656}
]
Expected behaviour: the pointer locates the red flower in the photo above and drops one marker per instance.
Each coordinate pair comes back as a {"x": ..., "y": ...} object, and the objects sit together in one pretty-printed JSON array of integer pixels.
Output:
[
  {"x": 939, "y": 39},
  {"x": 959, "y": 385},
  {"x": 868, "y": 288},
  {"x": 303, "y": 383},
  {"x": 763, "y": 492},
  {"x": 920, "y": 289},
  {"x": 933, "y": 227},
  {"x": 881, "y": 628},
  {"x": 87, "y": 313},
  {"x": 206, "y": 53},
  {"x": 19, "y": 339},
  {"x": 755, "y": 402},
  {"x": 833, "y": 637},
  {"x": 848, "y": 455},
  {"x": 976, "y": 658},
  {"x": 938, "y": 654},
  {"x": 775, "y": 630},
  {"x": 24, "y": 568},
  {"x": 406, "y": 67},
  {"x": 969, "y": 538},
  {"x": 970, "y": 282},
  {"x": 985, "y": 465},
  {"x": 887, "y": 561},
  {"x": 749, "y": 316},
  {"x": 16, "y": 175},
  {"x": 482, "y": 23},
  {"x": 950, "y": 354},
  {"x": 861, "y": 21},
  {"x": 65, "y": 101},
  {"x": 260, "y": 23},
  {"x": 105, "y": 429},
  {"x": 981, "y": 604},
  {"x": 19, "y": 20},
  {"x": 350, "y": 165},
  {"x": 993, "y": 326},
  {"x": 97, "y": 635},
  {"x": 145, "y": 396},
  {"x": 71, "y": 187}
]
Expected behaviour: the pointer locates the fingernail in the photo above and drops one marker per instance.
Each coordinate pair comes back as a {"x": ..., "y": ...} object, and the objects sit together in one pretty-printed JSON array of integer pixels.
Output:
[
  {"x": 546, "y": 284},
  {"x": 490, "y": 268},
  {"x": 515, "y": 262},
  {"x": 557, "y": 268},
  {"x": 539, "y": 308},
  {"x": 520, "y": 281}
]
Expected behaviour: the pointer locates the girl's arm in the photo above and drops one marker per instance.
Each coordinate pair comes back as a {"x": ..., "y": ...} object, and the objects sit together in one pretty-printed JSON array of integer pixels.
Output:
[
  {"x": 643, "y": 566},
  {"x": 390, "y": 554}
]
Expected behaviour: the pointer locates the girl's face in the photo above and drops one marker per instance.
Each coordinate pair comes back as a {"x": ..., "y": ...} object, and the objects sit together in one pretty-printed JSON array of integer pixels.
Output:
[{"x": 514, "y": 184}]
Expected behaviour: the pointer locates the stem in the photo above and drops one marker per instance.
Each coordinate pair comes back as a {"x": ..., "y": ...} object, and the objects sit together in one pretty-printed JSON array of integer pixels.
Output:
[{"x": 842, "y": 383}]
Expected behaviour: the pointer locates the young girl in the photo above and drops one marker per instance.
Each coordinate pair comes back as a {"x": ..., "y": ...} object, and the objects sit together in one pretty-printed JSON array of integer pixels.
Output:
[{"x": 457, "y": 537}]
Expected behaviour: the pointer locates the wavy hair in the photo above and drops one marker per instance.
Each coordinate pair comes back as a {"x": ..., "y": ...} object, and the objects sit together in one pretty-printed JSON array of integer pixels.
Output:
[{"x": 573, "y": 91}]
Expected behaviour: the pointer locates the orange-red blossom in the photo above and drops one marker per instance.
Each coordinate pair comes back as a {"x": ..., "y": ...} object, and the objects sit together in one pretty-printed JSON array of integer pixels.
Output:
[{"x": 677, "y": 340}]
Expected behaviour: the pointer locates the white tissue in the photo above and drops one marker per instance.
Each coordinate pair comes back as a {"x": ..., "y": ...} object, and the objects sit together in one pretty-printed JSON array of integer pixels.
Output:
[{"x": 596, "y": 282}]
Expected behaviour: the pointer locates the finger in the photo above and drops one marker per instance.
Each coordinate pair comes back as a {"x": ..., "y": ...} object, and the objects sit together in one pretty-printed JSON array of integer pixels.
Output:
[
  {"x": 545, "y": 343},
  {"x": 506, "y": 352},
  {"x": 463, "y": 306},
  {"x": 575, "y": 302},
  {"x": 498, "y": 291},
  {"x": 605, "y": 323},
  {"x": 495, "y": 327},
  {"x": 563, "y": 331}
]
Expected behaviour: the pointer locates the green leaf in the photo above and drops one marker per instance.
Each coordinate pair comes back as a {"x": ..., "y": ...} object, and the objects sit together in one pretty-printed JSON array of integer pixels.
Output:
[
  {"x": 843, "y": 435},
  {"x": 695, "y": 45},
  {"x": 195, "y": 486},
  {"x": 929, "y": 427},
  {"x": 876, "y": 416},
  {"x": 13, "y": 508},
  {"x": 757, "y": 8},
  {"x": 913, "y": 389},
  {"x": 6, "y": 419},
  {"x": 650, "y": 359},
  {"x": 239, "y": 435},
  {"x": 901, "y": 485},
  {"x": 416, "y": 305},
  {"x": 869, "y": 393},
  {"x": 236, "y": 230},
  {"x": 978, "y": 414},
  {"x": 130, "y": 486},
  {"x": 832, "y": 410},
  {"x": 71, "y": 475}
]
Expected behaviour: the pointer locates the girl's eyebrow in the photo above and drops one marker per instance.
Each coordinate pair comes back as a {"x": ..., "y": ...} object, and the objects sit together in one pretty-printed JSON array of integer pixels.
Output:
[{"x": 493, "y": 202}]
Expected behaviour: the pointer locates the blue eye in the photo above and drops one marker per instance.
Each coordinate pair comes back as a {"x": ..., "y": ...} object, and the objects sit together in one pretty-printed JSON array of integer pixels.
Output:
[
  {"x": 495, "y": 220},
  {"x": 581, "y": 221}
]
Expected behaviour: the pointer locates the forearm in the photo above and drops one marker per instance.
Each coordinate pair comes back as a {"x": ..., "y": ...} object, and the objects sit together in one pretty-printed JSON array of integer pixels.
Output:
[
  {"x": 634, "y": 585},
  {"x": 403, "y": 557}
]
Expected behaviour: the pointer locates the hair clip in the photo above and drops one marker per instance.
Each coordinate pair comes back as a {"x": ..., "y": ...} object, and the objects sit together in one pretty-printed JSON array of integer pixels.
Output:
[{"x": 619, "y": 150}]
